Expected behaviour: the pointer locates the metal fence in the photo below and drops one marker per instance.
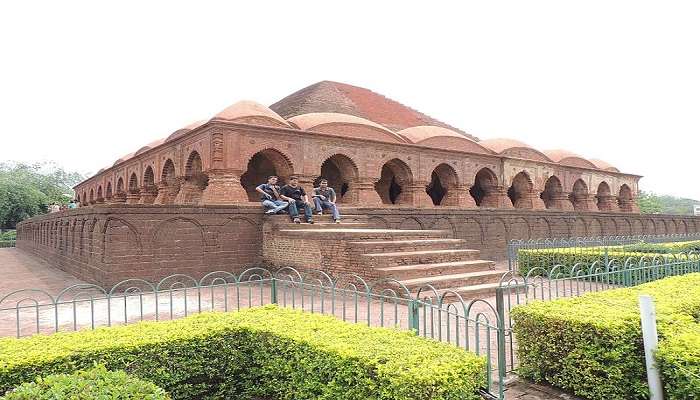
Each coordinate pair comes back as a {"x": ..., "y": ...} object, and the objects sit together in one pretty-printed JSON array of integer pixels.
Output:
[
  {"x": 583, "y": 245},
  {"x": 481, "y": 326}
]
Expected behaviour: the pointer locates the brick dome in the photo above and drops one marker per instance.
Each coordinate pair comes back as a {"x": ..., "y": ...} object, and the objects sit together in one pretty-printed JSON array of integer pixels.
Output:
[
  {"x": 333, "y": 122},
  {"x": 514, "y": 148},
  {"x": 443, "y": 138},
  {"x": 150, "y": 146},
  {"x": 123, "y": 158},
  {"x": 565, "y": 157},
  {"x": 600, "y": 164},
  {"x": 184, "y": 130},
  {"x": 247, "y": 109}
]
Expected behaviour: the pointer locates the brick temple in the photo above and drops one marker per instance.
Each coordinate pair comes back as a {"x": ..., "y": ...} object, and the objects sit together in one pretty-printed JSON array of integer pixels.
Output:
[{"x": 424, "y": 201}]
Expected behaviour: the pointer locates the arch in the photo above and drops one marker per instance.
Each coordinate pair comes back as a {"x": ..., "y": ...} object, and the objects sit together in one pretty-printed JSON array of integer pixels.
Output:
[
  {"x": 396, "y": 177},
  {"x": 625, "y": 199},
  {"x": 167, "y": 174},
  {"x": 133, "y": 183},
  {"x": 148, "y": 186},
  {"x": 148, "y": 177},
  {"x": 262, "y": 164},
  {"x": 552, "y": 194},
  {"x": 195, "y": 181},
  {"x": 108, "y": 192},
  {"x": 120, "y": 185},
  {"x": 92, "y": 196},
  {"x": 579, "y": 196},
  {"x": 520, "y": 190},
  {"x": 603, "y": 196},
  {"x": 485, "y": 185},
  {"x": 182, "y": 253},
  {"x": 99, "y": 193},
  {"x": 342, "y": 174},
  {"x": 410, "y": 223},
  {"x": 168, "y": 185},
  {"x": 443, "y": 185}
]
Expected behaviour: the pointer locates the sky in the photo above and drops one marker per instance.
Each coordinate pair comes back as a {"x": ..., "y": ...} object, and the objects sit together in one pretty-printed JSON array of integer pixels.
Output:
[{"x": 85, "y": 82}]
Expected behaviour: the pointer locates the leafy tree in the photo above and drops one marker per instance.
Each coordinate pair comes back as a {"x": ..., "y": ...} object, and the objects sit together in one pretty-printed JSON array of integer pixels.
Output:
[
  {"x": 27, "y": 190},
  {"x": 651, "y": 203}
]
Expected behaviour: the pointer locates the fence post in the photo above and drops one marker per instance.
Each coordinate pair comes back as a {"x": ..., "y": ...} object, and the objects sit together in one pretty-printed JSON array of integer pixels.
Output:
[
  {"x": 413, "y": 315},
  {"x": 500, "y": 311},
  {"x": 273, "y": 291},
  {"x": 651, "y": 342}
]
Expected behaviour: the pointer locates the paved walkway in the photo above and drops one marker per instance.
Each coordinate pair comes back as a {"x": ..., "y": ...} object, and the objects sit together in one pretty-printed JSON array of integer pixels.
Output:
[{"x": 87, "y": 306}]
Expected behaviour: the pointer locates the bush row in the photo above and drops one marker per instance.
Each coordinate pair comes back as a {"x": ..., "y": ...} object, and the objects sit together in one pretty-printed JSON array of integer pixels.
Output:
[
  {"x": 265, "y": 352},
  {"x": 663, "y": 248},
  {"x": 592, "y": 345},
  {"x": 96, "y": 383}
]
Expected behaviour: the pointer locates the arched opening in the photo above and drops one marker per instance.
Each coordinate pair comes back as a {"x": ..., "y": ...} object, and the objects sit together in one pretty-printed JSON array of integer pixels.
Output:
[
  {"x": 483, "y": 191},
  {"x": 84, "y": 201},
  {"x": 195, "y": 181},
  {"x": 99, "y": 193},
  {"x": 169, "y": 185},
  {"x": 341, "y": 173},
  {"x": 263, "y": 164},
  {"x": 579, "y": 196},
  {"x": 148, "y": 189},
  {"x": 625, "y": 199},
  {"x": 133, "y": 183},
  {"x": 442, "y": 186},
  {"x": 120, "y": 185},
  {"x": 92, "y": 196},
  {"x": 520, "y": 191},
  {"x": 552, "y": 194},
  {"x": 395, "y": 179},
  {"x": 108, "y": 192},
  {"x": 603, "y": 197}
]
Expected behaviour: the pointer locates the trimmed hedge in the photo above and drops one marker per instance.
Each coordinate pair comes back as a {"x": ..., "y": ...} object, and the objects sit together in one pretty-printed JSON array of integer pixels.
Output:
[
  {"x": 592, "y": 345},
  {"x": 678, "y": 358},
  {"x": 96, "y": 383},
  {"x": 266, "y": 352}
]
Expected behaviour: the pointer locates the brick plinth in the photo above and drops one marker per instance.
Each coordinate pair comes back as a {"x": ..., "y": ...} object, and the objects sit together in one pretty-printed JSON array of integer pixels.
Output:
[{"x": 224, "y": 188}]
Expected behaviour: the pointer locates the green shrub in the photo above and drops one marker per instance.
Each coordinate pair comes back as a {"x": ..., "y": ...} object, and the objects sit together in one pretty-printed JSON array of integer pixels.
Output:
[
  {"x": 592, "y": 345},
  {"x": 9, "y": 235},
  {"x": 546, "y": 259},
  {"x": 266, "y": 352},
  {"x": 96, "y": 383},
  {"x": 678, "y": 359}
]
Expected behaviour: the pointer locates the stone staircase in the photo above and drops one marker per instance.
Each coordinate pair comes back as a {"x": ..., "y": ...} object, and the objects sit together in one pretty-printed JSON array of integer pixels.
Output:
[{"x": 416, "y": 258}]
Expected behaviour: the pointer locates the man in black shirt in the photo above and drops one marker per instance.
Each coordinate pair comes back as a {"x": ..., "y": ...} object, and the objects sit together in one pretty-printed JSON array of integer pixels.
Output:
[{"x": 296, "y": 196}]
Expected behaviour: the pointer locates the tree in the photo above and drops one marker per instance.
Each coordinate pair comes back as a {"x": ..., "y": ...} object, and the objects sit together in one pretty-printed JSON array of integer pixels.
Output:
[
  {"x": 649, "y": 204},
  {"x": 27, "y": 190}
]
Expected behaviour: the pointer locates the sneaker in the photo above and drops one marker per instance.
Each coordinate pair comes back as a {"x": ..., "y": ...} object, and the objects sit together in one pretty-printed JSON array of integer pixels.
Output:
[
  {"x": 297, "y": 221},
  {"x": 311, "y": 221},
  {"x": 270, "y": 211},
  {"x": 319, "y": 213},
  {"x": 337, "y": 221}
]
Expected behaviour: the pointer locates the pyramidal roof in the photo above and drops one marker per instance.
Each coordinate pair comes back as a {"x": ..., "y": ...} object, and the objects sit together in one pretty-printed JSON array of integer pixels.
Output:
[{"x": 335, "y": 97}]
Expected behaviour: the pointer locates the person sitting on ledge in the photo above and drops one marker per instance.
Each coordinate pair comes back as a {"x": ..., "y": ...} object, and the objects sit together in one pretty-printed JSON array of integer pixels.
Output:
[
  {"x": 297, "y": 198},
  {"x": 324, "y": 198},
  {"x": 271, "y": 199}
]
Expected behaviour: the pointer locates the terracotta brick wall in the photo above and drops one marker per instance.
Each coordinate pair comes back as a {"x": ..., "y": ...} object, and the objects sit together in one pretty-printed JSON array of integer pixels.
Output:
[{"x": 107, "y": 244}]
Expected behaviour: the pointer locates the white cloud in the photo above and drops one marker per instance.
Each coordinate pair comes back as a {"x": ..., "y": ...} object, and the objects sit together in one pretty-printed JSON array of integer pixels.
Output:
[{"x": 83, "y": 83}]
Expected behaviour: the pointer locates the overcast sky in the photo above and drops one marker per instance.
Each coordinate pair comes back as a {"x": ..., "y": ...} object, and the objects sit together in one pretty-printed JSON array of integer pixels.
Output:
[{"x": 83, "y": 83}]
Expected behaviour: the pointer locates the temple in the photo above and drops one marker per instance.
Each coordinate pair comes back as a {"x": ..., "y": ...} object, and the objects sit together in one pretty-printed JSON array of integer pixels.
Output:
[
  {"x": 423, "y": 202},
  {"x": 374, "y": 151}
]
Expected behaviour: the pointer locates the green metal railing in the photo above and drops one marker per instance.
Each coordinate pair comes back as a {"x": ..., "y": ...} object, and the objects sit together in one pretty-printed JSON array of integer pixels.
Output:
[
  {"x": 481, "y": 326},
  {"x": 7, "y": 243}
]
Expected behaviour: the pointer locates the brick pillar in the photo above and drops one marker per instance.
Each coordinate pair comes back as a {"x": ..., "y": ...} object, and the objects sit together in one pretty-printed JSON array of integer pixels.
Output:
[
  {"x": 367, "y": 195},
  {"x": 562, "y": 202},
  {"x": 496, "y": 197},
  {"x": 100, "y": 200},
  {"x": 459, "y": 196},
  {"x": 119, "y": 198},
  {"x": 418, "y": 196},
  {"x": 133, "y": 197},
  {"x": 190, "y": 193},
  {"x": 224, "y": 188},
  {"x": 585, "y": 203},
  {"x": 629, "y": 205},
  {"x": 148, "y": 194},
  {"x": 608, "y": 203}
]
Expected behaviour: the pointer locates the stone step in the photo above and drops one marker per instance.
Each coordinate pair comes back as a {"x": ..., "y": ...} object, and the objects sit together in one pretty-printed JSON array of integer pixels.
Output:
[
  {"x": 472, "y": 292},
  {"x": 385, "y": 246},
  {"x": 323, "y": 225},
  {"x": 379, "y": 260},
  {"x": 425, "y": 270},
  {"x": 454, "y": 280},
  {"x": 356, "y": 234}
]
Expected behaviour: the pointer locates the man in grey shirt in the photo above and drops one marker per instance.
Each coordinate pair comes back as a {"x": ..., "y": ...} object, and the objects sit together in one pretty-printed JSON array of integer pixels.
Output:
[{"x": 324, "y": 198}]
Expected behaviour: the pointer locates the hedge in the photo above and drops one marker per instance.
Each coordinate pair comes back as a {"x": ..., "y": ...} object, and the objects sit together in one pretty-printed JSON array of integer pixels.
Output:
[
  {"x": 592, "y": 345},
  {"x": 265, "y": 352},
  {"x": 96, "y": 383},
  {"x": 529, "y": 259},
  {"x": 678, "y": 358}
]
